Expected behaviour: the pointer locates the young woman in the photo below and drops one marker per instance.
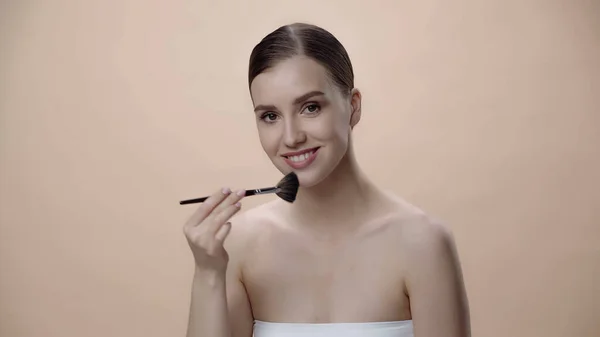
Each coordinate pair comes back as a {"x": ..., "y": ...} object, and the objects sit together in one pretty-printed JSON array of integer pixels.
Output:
[{"x": 346, "y": 258}]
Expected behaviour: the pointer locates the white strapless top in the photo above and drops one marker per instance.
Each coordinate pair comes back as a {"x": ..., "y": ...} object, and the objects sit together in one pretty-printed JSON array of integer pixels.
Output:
[{"x": 367, "y": 329}]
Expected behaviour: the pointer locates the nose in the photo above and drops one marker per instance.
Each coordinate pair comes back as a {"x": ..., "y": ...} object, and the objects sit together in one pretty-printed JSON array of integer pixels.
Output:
[{"x": 294, "y": 135}]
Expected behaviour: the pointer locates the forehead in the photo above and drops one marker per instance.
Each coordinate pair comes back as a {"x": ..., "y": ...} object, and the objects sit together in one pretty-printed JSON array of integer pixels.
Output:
[{"x": 289, "y": 79}]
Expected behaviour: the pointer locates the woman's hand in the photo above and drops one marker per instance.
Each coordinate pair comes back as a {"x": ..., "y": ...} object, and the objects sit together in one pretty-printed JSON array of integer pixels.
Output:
[{"x": 207, "y": 229}]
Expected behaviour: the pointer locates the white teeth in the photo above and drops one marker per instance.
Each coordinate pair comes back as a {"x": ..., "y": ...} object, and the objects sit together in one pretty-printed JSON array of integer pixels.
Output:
[{"x": 301, "y": 157}]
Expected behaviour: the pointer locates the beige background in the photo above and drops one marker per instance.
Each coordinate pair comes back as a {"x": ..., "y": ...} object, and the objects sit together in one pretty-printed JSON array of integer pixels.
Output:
[{"x": 484, "y": 113}]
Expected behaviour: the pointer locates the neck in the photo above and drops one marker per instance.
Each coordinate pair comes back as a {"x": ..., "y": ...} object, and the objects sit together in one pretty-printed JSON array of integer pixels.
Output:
[{"x": 344, "y": 196}]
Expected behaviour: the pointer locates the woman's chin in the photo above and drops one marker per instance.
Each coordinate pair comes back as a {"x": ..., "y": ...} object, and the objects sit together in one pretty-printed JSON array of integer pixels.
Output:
[{"x": 309, "y": 178}]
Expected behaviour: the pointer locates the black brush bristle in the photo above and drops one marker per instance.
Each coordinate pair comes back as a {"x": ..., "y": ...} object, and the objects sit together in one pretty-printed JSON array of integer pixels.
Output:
[{"x": 288, "y": 187}]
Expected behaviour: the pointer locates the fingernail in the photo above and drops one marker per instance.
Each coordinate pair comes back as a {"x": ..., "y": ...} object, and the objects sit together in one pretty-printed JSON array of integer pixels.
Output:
[
  {"x": 226, "y": 190},
  {"x": 241, "y": 193},
  {"x": 238, "y": 204}
]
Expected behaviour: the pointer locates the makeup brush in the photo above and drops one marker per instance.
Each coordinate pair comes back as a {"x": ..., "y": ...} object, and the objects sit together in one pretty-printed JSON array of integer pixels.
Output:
[{"x": 286, "y": 189}]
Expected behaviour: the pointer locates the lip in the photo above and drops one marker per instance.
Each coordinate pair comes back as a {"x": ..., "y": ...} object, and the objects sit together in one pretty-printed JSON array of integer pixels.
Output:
[
  {"x": 304, "y": 163},
  {"x": 297, "y": 153}
]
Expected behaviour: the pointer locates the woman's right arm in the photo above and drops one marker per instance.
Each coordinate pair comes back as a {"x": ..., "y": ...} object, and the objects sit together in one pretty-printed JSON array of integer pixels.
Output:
[
  {"x": 219, "y": 307},
  {"x": 219, "y": 304}
]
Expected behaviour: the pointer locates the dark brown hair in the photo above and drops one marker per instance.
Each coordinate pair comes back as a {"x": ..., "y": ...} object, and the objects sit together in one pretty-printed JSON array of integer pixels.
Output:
[{"x": 307, "y": 40}]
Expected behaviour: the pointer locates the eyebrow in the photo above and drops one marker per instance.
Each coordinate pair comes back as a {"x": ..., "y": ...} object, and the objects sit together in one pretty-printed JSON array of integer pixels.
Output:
[{"x": 296, "y": 101}]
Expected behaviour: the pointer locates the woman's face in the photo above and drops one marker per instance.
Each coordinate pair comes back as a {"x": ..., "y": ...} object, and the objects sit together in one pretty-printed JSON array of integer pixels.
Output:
[{"x": 304, "y": 121}]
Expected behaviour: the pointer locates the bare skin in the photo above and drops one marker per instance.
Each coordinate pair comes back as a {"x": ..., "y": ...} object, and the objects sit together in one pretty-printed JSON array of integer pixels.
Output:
[
  {"x": 345, "y": 251},
  {"x": 400, "y": 265}
]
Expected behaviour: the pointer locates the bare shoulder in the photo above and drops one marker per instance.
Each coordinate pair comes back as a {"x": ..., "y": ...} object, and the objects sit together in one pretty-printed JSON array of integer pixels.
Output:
[
  {"x": 425, "y": 235},
  {"x": 425, "y": 242},
  {"x": 428, "y": 244},
  {"x": 419, "y": 232},
  {"x": 247, "y": 226},
  {"x": 434, "y": 280}
]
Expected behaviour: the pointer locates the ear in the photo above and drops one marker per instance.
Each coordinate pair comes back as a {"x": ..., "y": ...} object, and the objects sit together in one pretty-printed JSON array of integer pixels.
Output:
[{"x": 355, "y": 105}]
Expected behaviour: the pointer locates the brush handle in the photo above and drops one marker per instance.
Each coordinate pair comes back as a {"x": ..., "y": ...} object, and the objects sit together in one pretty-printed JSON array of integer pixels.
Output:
[{"x": 256, "y": 191}]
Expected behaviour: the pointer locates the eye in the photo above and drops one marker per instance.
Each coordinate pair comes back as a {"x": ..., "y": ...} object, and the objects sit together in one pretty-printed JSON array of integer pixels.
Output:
[
  {"x": 269, "y": 117},
  {"x": 312, "y": 108}
]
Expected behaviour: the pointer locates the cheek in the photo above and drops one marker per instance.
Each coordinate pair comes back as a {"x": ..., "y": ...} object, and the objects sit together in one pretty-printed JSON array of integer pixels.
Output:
[
  {"x": 331, "y": 129},
  {"x": 340, "y": 129},
  {"x": 342, "y": 137},
  {"x": 269, "y": 139}
]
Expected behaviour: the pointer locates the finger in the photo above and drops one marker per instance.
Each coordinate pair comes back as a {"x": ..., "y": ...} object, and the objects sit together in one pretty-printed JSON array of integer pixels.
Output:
[
  {"x": 207, "y": 207},
  {"x": 231, "y": 200},
  {"x": 223, "y": 232},
  {"x": 218, "y": 221}
]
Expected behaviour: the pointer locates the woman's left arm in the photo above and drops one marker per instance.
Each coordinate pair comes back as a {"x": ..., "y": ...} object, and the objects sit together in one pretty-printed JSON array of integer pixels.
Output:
[{"x": 435, "y": 286}]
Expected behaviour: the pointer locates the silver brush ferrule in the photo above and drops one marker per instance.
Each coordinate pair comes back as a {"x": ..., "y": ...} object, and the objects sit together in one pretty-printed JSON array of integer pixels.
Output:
[{"x": 267, "y": 190}]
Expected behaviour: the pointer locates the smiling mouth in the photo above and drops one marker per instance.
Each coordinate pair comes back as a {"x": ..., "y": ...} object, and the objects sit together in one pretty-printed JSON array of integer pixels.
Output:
[
  {"x": 296, "y": 158},
  {"x": 301, "y": 159}
]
